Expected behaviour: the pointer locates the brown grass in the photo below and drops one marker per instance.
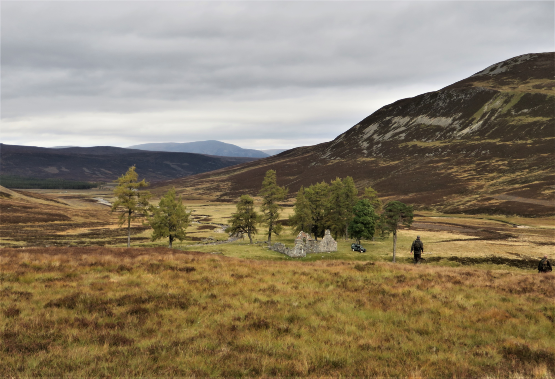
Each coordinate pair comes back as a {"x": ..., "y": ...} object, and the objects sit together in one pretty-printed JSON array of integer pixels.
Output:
[{"x": 158, "y": 312}]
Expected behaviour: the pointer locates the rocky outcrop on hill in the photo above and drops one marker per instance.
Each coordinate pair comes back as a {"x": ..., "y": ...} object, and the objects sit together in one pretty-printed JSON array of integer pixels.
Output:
[
  {"x": 455, "y": 149},
  {"x": 509, "y": 101}
]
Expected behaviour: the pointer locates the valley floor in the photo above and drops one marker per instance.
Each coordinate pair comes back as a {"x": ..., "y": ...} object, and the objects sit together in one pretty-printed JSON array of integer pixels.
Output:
[
  {"x": 74, "y": 303},
  {"x": 42, "y": 218}
]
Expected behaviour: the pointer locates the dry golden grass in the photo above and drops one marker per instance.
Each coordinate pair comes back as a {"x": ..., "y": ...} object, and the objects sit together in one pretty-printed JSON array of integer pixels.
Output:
[
  {"x": 160, "y": 312},
  {"x": 447, "y": 237}
]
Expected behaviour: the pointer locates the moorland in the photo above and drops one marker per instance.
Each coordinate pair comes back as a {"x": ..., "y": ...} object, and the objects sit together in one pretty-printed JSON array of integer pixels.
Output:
[
  {"x": 475, "y": 160},
  {"x": 74, "y": 302},
  {"x": 158, "y": 312}
]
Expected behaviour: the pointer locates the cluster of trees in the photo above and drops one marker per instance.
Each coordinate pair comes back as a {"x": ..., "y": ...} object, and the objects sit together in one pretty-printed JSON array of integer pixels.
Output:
[
  {"x": 337, "y": 206},
  {"x": 12, "y": 181},
  {"x": 325, "y": 206},
  {"x": 246, "y": 219},
  {"x": 169, "y": 219}
]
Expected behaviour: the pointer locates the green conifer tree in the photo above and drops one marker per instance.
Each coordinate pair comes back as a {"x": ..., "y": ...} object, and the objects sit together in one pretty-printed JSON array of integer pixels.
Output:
[
  {"x": 336, "y": 214},
  {"x": 245, "y": 219},
  {"x": 394, "y": 215},
  {"x": 301, "y": 220},
  {"x": 343, "y": 196},
  {"x": 271, "y": 193},
  {"x": 372, "y": 195},
  {"x": 364, "y": 222},
  {"x": 130, "y": 202},
  {"x": 317, "y": 196},
  {"x": 170, "y": 219},
  {"x": 349, "y": 199}
]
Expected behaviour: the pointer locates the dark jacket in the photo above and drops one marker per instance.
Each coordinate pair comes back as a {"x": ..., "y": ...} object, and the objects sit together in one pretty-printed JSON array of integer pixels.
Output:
[
  {"x": 544, "y": 266},
  {"x": 417, "y": 247}
]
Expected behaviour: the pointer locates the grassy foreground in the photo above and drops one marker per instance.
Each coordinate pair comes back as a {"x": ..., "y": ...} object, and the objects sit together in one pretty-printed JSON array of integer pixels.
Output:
[{"x": 156, "y": 312}]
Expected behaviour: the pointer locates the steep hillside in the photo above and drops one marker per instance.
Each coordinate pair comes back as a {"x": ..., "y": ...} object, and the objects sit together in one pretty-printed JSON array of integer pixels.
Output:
[
  {"x": 483, "y": 144},
  {"x": 105, "y": 163},
  {"x": 211, "y": 147}
]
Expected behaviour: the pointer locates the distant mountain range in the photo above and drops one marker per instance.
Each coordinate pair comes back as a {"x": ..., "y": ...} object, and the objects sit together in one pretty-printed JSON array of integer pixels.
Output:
[
  {"x": 210, "y": 147},
  {"x": 483, "y": 144},
  {"x": 105, "y": 163}
]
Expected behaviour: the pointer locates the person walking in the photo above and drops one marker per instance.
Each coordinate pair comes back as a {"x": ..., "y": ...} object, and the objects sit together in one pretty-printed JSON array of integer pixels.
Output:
[
  {"x": 544, "y": 266},
  {"x": 418, "y": 248}
]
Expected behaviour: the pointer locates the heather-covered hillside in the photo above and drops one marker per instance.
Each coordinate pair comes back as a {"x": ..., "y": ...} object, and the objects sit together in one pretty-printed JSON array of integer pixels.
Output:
[
  {"x": 105, "y": 163},
  {"x": 483, "y": 144}
]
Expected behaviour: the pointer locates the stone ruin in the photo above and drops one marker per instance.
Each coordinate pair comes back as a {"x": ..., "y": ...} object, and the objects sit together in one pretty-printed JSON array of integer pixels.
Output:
[{"x": 305, "y": 244}]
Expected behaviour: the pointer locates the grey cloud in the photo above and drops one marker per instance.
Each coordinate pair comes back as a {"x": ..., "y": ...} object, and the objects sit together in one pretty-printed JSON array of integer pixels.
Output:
[{"x": 137, "y": 57}]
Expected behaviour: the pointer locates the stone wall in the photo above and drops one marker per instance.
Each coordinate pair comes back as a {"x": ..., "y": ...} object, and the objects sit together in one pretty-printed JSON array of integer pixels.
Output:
[
  {"x": 327, "y": 244},
  {"x": 296, "y": 252},
  {"x": 303, "y": 246}
]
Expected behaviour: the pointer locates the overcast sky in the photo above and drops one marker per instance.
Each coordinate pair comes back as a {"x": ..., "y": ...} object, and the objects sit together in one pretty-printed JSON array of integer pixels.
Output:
[{"x": 257, "y": 74}]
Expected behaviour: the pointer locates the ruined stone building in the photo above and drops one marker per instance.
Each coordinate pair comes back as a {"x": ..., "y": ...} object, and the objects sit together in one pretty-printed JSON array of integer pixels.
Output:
[{"x": 305, "y": 244}]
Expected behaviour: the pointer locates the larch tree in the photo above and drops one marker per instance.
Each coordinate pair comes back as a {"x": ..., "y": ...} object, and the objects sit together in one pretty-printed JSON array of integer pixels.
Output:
[
  {"x": 301, "y": 220},
  {"x": 372, "y": 195},
  {"x": 318, "y": 198},
  {"x": 271, "y": 194},
  {"x": 245, "y": 219},
  {"x": 130, "y": 202},
  {"x": 336, "y": 214},
  {"x": 394, "y": 215},
  {"x": 170, "y": 219},
  {"x": 346, "y": 200},
  {"x": 363, "y": 225}
]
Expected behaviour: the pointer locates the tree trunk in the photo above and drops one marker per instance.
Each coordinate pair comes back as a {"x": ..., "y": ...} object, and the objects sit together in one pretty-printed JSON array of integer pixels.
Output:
[
  {"x": 394, "y": 243},
  {"x": 171, "y": 240},
  {"x": 270, "y": 234},
  {"x": 250, "y": 238},
  {"x": 129, "y": 230},
  {"x": 346, "y": 231}
]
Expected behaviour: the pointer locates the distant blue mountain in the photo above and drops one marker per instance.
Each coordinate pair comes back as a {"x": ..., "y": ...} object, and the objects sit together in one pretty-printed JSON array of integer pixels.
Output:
[{"x": 203, "y": 147}]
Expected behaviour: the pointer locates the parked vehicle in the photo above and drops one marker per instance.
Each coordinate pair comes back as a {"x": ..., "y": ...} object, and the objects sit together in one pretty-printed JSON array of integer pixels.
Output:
[{"x": 357, "y": 247}]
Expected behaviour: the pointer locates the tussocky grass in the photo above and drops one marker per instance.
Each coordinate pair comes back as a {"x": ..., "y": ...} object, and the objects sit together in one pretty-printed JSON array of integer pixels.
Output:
[{"x": 153, "y": 311}]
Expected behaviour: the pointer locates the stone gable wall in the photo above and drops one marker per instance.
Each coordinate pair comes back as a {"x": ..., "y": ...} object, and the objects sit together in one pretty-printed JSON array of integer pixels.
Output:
[{"x": 304, "y": 247}]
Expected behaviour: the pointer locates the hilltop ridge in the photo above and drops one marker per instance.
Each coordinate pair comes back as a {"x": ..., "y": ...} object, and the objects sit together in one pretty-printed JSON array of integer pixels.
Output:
[
  {"x": 105, "y": 163},
  {"x": 210, "y": 147},
  {"x": 456, "y": 149}
]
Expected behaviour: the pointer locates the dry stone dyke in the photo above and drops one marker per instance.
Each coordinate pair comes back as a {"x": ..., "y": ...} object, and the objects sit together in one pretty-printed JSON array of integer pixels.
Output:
[{"x": 305, "y": 244}]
